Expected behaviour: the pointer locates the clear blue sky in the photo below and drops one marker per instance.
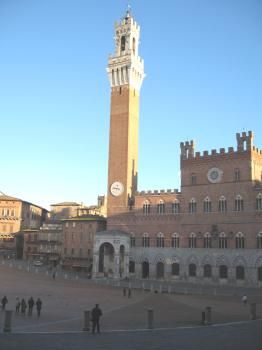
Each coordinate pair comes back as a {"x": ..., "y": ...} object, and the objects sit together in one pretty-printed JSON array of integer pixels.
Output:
[{"x": 203, "y": 61}]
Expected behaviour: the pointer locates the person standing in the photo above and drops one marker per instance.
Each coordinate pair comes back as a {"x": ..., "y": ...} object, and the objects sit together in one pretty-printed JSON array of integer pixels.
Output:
[
  {"x": 31, "y": 304},
  {"x": 96, "y": 314},
  {"x": 23, "y": 307},
  {"x": 4, "y": 301},
  {"x": 17, "y": 305},
  {"x": 38, "y": 306},
  {"x": 244, "y": 299}
]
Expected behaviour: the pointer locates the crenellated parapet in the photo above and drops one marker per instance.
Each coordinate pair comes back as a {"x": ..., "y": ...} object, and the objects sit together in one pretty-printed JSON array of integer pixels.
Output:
[
  {"x": 157, "y": 192},
  {"x": 244, "y": 144},
  {"x": 187, "y": 149},
  {"x": 257, "y": 150},
  {"x": 244, "y": 141}
]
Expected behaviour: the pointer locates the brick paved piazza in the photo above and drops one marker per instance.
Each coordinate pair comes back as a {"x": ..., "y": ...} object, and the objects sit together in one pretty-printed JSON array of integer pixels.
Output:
[{"x": 65, "y": 300}]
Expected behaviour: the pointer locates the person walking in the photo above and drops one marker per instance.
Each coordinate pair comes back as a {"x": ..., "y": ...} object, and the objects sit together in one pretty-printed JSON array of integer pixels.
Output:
[
  {"x": 17, "y": 305},
  {"x": 31, "y": 304},
  {"x": 244, "y": 299},
  {"x": 23, "y": 307},
  {"x": 4, "y": 301},
  {"x": 38, "y": 306},
  {"x": 96, "y": 314}
]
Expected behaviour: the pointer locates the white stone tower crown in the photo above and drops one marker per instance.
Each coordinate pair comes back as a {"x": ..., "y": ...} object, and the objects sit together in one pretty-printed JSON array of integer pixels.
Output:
[{"x": 125, "y": 67}]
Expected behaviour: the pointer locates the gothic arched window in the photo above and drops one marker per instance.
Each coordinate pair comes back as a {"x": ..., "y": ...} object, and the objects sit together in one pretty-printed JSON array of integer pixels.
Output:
[
  {"x": 192, "y": 240},
  {"x": 222, "y": 204},
  {"x": 134, "y": 46},
  {"x": 146, "y": 208},
  {"x": 259, "y": 201},
  {"x": 123, "y": 43},
  {"x": 237, "y": 174},
  {"x": 240, "y": 240},
  {"x": 222, "y": 241},
  {"x": 192, "y": 206},
  {"x": 207, "y": 271},
  {"x": 239, "y": 203},
  {"x": 222, "y": 271},
  {"x": 175, "y": 240},
  {"x": 259, "y": 240},
  {"x": 176, "y": 207},
  {"x": 207, "y": 205},
  {"x": 145, "y": 240},
  {"x": 161, "y": 207},
  {"x": 160, "y": 241},
  {"x": 192, "y": 270},
  {"x": 259, "y": 273},
  {"x": 131, "y": 266},
  {"x": 240, "y": 272},
  {"x": 175, "y": 269},
  {"x": 207, "y": 240},
  {"x": 132, "y": 240}
]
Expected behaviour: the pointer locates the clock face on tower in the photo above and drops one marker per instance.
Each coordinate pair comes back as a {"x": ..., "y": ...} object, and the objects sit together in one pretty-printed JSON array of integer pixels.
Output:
[
  {"x": 214, "y": 175},
  {"x": 117, "y": 188}
]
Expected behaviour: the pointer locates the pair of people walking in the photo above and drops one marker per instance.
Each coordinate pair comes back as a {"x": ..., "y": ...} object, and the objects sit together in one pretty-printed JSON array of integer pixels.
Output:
[{"x": 128, "y": 292}]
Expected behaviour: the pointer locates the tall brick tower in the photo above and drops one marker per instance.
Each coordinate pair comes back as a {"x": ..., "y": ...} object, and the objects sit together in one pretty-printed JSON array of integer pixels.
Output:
[{"x": 126, "y": 73}]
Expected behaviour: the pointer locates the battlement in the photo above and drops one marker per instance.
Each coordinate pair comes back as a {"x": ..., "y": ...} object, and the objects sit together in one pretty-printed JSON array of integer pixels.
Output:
[
  {"x": 244, "y": 143},
  {"x": 257, "y": 150},
  {"x": 187, "y": 149},
  {"x": 127, "y": 20},
  {"x": 157, "y": 192}
]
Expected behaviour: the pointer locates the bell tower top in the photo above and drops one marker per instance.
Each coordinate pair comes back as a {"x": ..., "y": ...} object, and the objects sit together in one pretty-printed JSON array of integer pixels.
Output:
[
  {"x": 126, "y": 36},
  {"x": 125, "y": 67}
]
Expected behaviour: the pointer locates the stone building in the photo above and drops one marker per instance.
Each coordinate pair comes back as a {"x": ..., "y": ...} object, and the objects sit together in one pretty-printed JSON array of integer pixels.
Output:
[
  {"x": 67, "y": 210},
  {"x": 78, "y": 241},
  {"x": 17, "y": 215},
  {"x": 99, "y": 209},
  {"x": 210, "y": 230},
  {"x": 44, "y": 244},
  {"x": 64, "y": 210}
]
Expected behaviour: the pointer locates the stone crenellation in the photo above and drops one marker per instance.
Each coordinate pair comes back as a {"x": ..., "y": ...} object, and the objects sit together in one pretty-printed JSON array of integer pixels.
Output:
[
  {"x": 257, "y": 150},
  {"x": 157, "y": 192},
  {"x": 244, "y": 143}
]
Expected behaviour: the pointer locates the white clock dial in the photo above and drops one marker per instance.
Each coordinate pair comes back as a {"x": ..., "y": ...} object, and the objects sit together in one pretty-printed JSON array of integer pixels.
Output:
[
  {"x": 117, "y": 188},
  {"x": 214, "y": 175}
]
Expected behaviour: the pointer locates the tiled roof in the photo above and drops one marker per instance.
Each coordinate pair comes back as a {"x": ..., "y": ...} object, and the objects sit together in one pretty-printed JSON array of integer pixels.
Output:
[
  {"x": 86, "y": 218},
  {"x": 4, "y": 197},
  {"x": 65, "y": 204}
]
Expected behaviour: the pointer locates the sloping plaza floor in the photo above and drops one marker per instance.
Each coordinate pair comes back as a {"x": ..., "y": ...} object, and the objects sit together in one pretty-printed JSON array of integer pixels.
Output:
[
  {"x": 65, "y": 300},
  {"x": 246, "y": 336}
]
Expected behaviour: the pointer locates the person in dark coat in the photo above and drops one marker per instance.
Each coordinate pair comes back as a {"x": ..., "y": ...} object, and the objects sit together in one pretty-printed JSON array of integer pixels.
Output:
[
  {"x": 38, "y": 306},
  {"x": 17, "y": 304},
  {"x": 23, "y": 306},
  {"x": 4, "y": 301},
  {"x": 31, "y": 304},
  {"x": 96, "y": 314}
]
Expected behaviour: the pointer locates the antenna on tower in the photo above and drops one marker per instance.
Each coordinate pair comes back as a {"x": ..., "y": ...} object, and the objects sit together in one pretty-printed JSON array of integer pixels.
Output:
[{"x": 128, "y": 11}]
